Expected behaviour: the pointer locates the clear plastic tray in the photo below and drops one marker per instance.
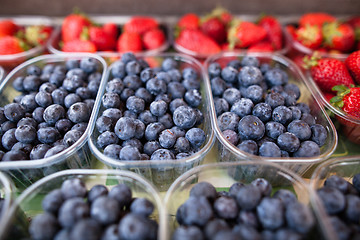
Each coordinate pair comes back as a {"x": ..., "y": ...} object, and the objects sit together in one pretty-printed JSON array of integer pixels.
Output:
[
  {"x": 345, "y": 167},
  {"x": 25, "y": 172},
  {"x": 53, "y": 44},
  {"x": 12, "y": 60},
  {"x": 2, "y": 73},
  {"x": 229, "y": 152},
  {"x": 223, "y": 175},
  {"x": 28, "y": 204},
  {"x": 7, "y": 193},
  {"x": 163, "y": 173}
]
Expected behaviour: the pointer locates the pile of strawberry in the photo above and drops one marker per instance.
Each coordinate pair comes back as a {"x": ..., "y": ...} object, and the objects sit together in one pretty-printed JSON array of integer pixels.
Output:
[
  {"x": 221, "y": 31},
  {"x": 16, "y": 39},
  {"x": 325, "y": 33},
  {"x": 80, "y": 34},
  {"x": 337, "y": 80}
]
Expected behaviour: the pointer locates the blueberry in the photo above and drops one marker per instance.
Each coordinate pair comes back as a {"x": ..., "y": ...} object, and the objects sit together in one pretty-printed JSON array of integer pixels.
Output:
[
  {"x": 169, "y": 64},
  {"x": 53, "y": 113},
  {"x": 25, "y": 147},
  {"x": 184, "y": 117},
  {"x": 57, "y": 78},
  {"x": 31, "y": 83},
  {"x": 53, "y": 201},
  {"x": 7, "y": 126},
  {"x": 167, "y": 138},
  {"x": 226, "y": 208},
  {"x": 263, "y": 185},
  {"x": 158, "y": 108},
  {"x": 152, "y": 131},
  {"x": 43, "y": 99},
  {"x": 196, "y": 137},
  {"x": 111, "y": 233},
  {"x": 333, "y": 199},
  {"x": 142, "y": 206},
  {"x": 129, "y": 153},
  {"x": 269, "y": 149},
  {"x": 118, "y": 69},
  {"x": 112, "y": 100},
  {"x": 249, "y": 75},
  {"x": 89, "y": 65},
  {"x": 72, "y": 188},
  {"x": 127, "y": 57},
  {"x": 14, "y": 112},
  {"x": 299, "y": 217},
  {"x": 290, "y": 98},
  {"x": 55, "y": 150},
  {"x": 72, "y": 63},
  {"x": 93, "y": 87},
  {"x": 18, "y": 84},
  {"x": 197, "y": 210},
  {"x": 318, "y": 134},
  {"x": 248, "y": 218},
  {"x": 246, "y": 232},
  {"x": 228, "y": 120},
  {"x": 293, "y": 88},
  {"x": 307, "y": 149},
  {"x": 221, "y": 106},
  {"x": 135, "y": 104},
  {"x": 193, "y": 98},
  {"x": 48, "y": 135},
  {"x": 162, "y": 154},
  {"x": 144, "y": 94},
  {"x": 248, "y": 197},
  {"x": 105, "y": 210},
  {"x": 214, "y": 70},
  {"x": 112, "y": 151},
  {"x": 38, "y": 114},
  {"x": 304, "y": 108},
  {"x": 104, "y": 124},
  {"x": 275, "y": 77},
  {"x": 107, "y": 138},
  {"x": 71, "y": 137},
  {"x": 151, "y": 146},
  {"x": 189, "y": 73},
  {"x": 300, "y": 128},
  {"x": 163, "y": 76},
  {"x": 231, "y": 136},
  {"x": 254, "y": 93},
  {"x": 174, "y": 104},
  {"x": 203, "y": 189},
  {"x": 352, "y": 208},
  {"x": 342, "y": 231},
  {"x": 43, "y": 226},
  {"x": 84, "y": 93},
  {"x": 308, "y": 118},
  {"x": 116, "y": 85},
  {"x": 191, "y": 84},
  {"x": 287, "y": 234},
  {"x": 231, "y": 95},
  {"x": 337, "y": 182},
  {"x": 182, "y": 145},
  {"x": 274, "y": 100},
  {"x": 86, "y": 229},
  {"x": 156, "y": 86},
  {"x": 285, "y": 196},
  {"x": 296, "y": 112},
  {"x": 72, "y": 83},
  {"x": 132, "y": 81},
  {"x": 270, "y": 213},
  {"x": 242, "y": 107},
  {"x": 58, "y": 96},
  {"x": 263, "y": 111},
  {"x": 147, "y": 74},
  {"x": 188, "y": 233},
  {"x": 113, "y": 113},
  {"x": 282, "y": 115},
  {"x": 288, "y": 142},
  {"x": 80, "y": 127},
  {"x": 63, "y": 125},
  {"x": 134, "y": 226},
  {"x": 229, "y": 74},
  {"x": 25, "y": 134},
  {"x": 218, "y": 86},
  {"x": 236, "y": 63},
  {"x": 73, "y": 210},
  {"x": 274, "y": 129},
  {"x": 39, "y": 151},
  {"x": 78, "y": 112},
  {"x": 134, "y": 142},
  {"x": 146, "y": 117},
  {"x": 251, "y": 127},
  {"x": 96, "y": 192},
  {"x": 250, "y": 61},
  {"x": 249, "y": 146},
  {"x": 356, "y": 181},
  {"x": 29, "y": 103},
  {"x": 122, "y": 194}
]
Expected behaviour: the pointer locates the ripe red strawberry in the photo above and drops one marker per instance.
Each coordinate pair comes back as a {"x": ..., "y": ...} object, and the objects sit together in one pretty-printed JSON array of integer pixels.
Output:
[
  {"x": 263, "y": 46},
  {"x": 189, "y": 21},
  {"x": 72, "y": 27},
  {"x": 102, "y": 40},
  {"x": 243, "y": 34},
  {"x": 310, "y": 36},
  {"x": 154, "y": 38},
  {"x": 129, "y": 41},
  {"x": 328, "y": 72},
  {"x": 353, "y": 64},
  {"x": 214, "y": 28},
  {"x": 7, "y": 28},
  {"x": 195, "y": 40},
  {"x": 328, "y": 96},
  {"x": 224, "y": 15},
  {"x": 347, "y": 99},
  {"x": 79, "y": 45},
  {"x": 338, "y": 36},
  {"x": 11, "y": 45},
  {"x": 37, "y": 35},
  {"x": 316, "y": 18},
  {"x": 354, "y": 22},
  {"x": 274, "y": 31},
  {"x": 111, "y": 29},
  {"x": 140, "y": 25}
]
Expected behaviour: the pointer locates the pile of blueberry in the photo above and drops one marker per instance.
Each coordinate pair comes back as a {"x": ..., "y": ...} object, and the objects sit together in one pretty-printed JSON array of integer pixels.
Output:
[
  {"x": 74, "y": 213},
  {"x": 244, "y": 212},
  {"x": 150, "y": 113},
  {"x": 341, "y": 200},
  {"x": 257, "y": 110},
  {"x": 52, "y": 111}
]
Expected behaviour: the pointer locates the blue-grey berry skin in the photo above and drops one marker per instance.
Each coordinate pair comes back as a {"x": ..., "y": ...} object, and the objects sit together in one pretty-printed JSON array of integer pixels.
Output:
[
  {"x": 218, "y": 86},
  {"x": 125, "y": 128},
  {"x": 184, "y": 117},
  {"x": 105, "y": 210},
  {"x": 54, "y": 150},
  {"x": 204, "y": 189},
  {"x": 167, "y": 138},
  {"x": 176, "y": 90},
  {"x": 111, "y": 100},
  {"x": 104, "y": 124},
  {"x": 308, "y": 118},
  {"x": 73, "y": 210},
  {"x": 299, "y": 217},
  {"x": 53, "y": 201},
  {"x": 14, "y": 112},
  {"x": 118, "y": 69},
  {"x": 122, "y": 194},
  {"x": 286, "y": 234},
  {"x": 43, "y": 99},
  {"x": 228, "y": 120},
  {"x": 89, "y": 65},
  {"x": 71, "y": 137},
  {"x": 113, "y": 113},
  {"x": 39, "y": 151},
  {"x": 288, "y": 142},
  {"x": 134, "y": 226},
  {"x": 196, "y": 137},
  {"x": 275, "y": 77},
  {"x": 229, "y": 74},
  {"x": 250, "y": 61},
  {"x": 248, "y": 218},
  {"x": 282, "y": 115},
  {"x": 79, "y": 112},
  {"x": 144, "y": 94},
  {"x": 86, "y": 229},
  {"x": 14, "y": 155},
  {"x": 263, "y": 111},
  {"x": 263, "y": 185},
  {"x": 274, "y": 99},
  {"x": 71, "y": 99},
  {"x": 254, "y": 93},
  {"x": 142, "y": 206},
  {"x": 226, "y": 207},
  {"x": 197, "y": 211},
  {"x": 286, "y": 197},
  {"x": 294, "y": 88},
  {"x": 116, "y": 85},
  {"x": 248, "y": 197},
  {"x": 251, "y": 128},
  {"x": 156, "y": 86},
  {"x": 193, "y": 97},
  {"x": 307, "y": 149},
  {"x": 341, "y": 229},
  {"x": 169, "y": 64},
  {"x": 135, "y": 104},
  {"x": 296, "y": 112},
  {"x": 58, "y": 96},
  {"x": 304, "y": 108},
  {"x": 28, "y": 102},
  {"x": 318, "y": 134},
  {"x": 231, "y": 136},
  {"x": 107, "y": 138},
  {"x": 242, "y": 107},
  {"x": 53, "y": 113},
  {"x": 249, "y": 146},
  {"x": 352, "y": 211},
  {"x": 338, "y": 182},
  {"x": 48, "y": 135},
  {"x": 111, "y": 233},
  {"x": 97, "y": 191},
  {"x": 269, "y": 149},
  {"x": 274, "y": 129},
  {"x": 31, "y": 83},
  {"x": 231, "y": 95},
  {"x": 271, "y": 213},
  {"x": 221, "y": 106},
  {"x": 333, "y": 199},
  {"x": 249, "y": 75},
  {"x": 44, "y": 226},
  {"x": 158, "y": 108},
  {"x": 246, "y": 232},
  {"x": 25, "y": 134},
  {"x": 153, "y": 130},
  {"x": 301, "y": 129},
  {"x": 129, "y": 153},
  {"x": 187, "y": 233},
  {"x": 214, "y": 69},
  {"x": 151, "y": 146},
  {"x": 63, "y": 125},
  {"x": 62, "y": 234},
  {"x": 162, "y": 154},
  {"x": 71, "y": 188},
  {"x": 174, "y": 104}
]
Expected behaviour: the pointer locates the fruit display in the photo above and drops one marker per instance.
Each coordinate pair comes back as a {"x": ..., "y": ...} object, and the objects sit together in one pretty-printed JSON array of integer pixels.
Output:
[
  {"x": 220, "y": 30},
  {"x": 79, "y": 33}
]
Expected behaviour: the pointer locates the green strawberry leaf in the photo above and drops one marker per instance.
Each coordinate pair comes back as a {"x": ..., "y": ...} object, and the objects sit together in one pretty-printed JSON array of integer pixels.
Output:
[
  {"x": 339, "y": 88},
  {"x": 335, "y": 99}
]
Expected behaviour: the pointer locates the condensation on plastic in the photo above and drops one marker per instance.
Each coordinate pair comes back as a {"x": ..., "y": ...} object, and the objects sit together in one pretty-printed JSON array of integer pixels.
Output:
[
  {"x": 162, "y": 172},
  {"x": 78, "y": 155},
  {"x": 55, "y": 39},
  {"x": 223, "y": 175},
  {"x": 20, "y": 212},
  {"x": 229, "y": 152}
]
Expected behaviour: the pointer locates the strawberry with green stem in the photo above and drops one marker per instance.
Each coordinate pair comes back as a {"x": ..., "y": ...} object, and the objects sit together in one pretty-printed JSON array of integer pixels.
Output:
[
  {"x": 347, "y": 99},
  {"x": 140, "y": 24},
  {"x": 37, "y": 34},
  {"x": 243, "y": 34},
  {"x": 274, "y": 30},
  {"x": 12, "y": 45},
  {"x": 73, "y": 26},
  {"x": 338, "y": 36},
  {"x": 353, "y": 64},
  {"x": 310, "y": 36},
  {"x": 316, "y": 18}
]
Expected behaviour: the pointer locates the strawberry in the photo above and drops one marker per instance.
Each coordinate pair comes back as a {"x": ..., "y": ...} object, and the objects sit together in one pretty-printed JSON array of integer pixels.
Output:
[
  {"x": 102, "y": 40},
  {"x": 129, "y": 41},
  {"x": 7, "y": 28},
  {"x": 263, "y": 46},
  {"x": 79, "y": 45},
  {"x": 328, "y": 96},
  {"x": 328, "y": 72},
  {"x": 140, "y": 25},
  {"x": 243, "y": 34},
  {"x": 309, "y": 35},
  {"x": 354, "y": 22},
  {"x": 353, "y": 64},
  {"x": 196, "y": 41},
  {"x": 222, "y": 14},
  {"x": 338, "y": 36},
  {"x": 154, "y": 38},
  {"x": 111, "y": 29},
  {"x": 316, "y": 18},
  {"x": 11, "y": 45},
  {"x": 37, "y": 35},
  {"x": 348, "y": 99},
  {"x": 274, "y": 31},
  {"x": 291, "y": 30},
  {"x": 214, "y": 28},
  {"x": 72, "y": 27},
  {"x": 189, "y": 21}
]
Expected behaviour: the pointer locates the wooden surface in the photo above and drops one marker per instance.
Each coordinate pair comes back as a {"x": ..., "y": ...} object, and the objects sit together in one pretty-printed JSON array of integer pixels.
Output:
[{"x": 176, "y": 7}]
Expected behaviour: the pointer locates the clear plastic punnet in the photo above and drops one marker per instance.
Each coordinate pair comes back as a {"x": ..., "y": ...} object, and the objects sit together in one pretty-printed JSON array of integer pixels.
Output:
[
  {"x": 78, "y": 155},
  {"x": 2, "y": 73},
  {"x": 28, "y": 204},
  {"x": 7, "y": 195},
  {"x": 163, "y": 172},
  {"x": 229, "y": 152},
  {"x": 223, "y": 175}
]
